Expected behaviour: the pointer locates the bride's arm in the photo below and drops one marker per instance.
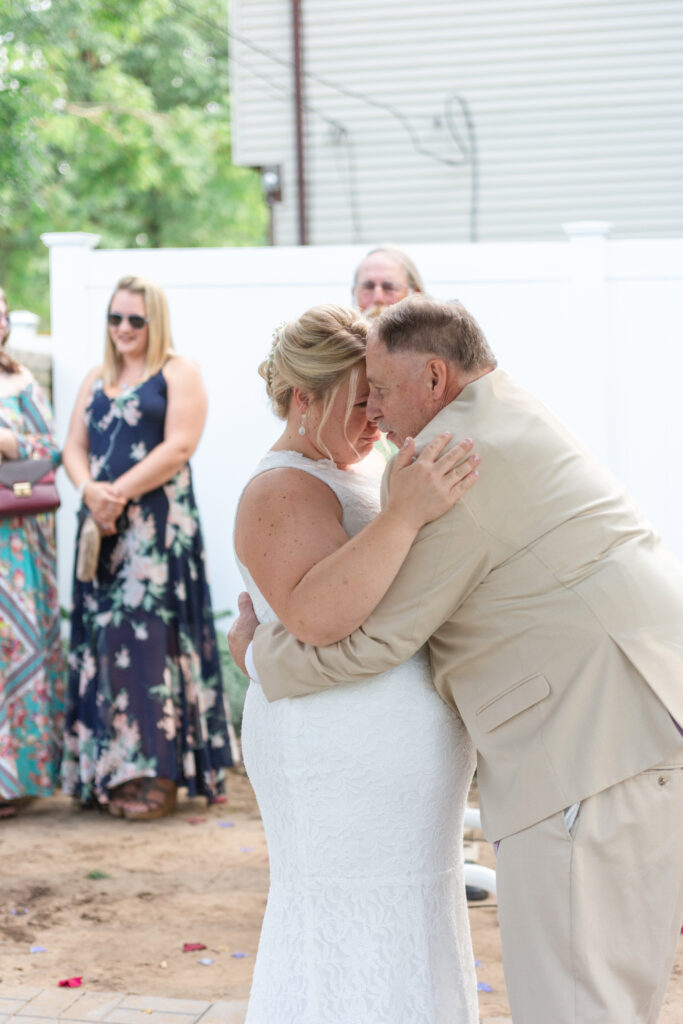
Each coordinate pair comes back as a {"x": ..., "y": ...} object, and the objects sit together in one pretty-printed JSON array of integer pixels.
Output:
[{"x": 319, "y": 582}]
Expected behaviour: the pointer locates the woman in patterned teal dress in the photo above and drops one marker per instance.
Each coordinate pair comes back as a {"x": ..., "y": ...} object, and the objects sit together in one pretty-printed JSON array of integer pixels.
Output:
[
  {"x": 146, "y": 711},
  {"x": 31, "y": 658}
]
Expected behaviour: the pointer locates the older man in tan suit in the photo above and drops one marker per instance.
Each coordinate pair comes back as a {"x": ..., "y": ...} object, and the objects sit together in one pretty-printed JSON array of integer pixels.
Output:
[{"x": 554, "y": 618}]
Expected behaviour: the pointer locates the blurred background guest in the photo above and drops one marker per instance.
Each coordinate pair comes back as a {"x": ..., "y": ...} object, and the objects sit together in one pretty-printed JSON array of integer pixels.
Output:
[
  {"x": 32, "y": 666},
  {"x": 146, "y": 711},
  {"x": 384, "y": 276}
]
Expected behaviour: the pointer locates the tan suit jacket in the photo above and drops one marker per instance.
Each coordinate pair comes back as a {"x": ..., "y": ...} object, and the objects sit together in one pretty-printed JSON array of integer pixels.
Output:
[{"x": 554, "y": 617}]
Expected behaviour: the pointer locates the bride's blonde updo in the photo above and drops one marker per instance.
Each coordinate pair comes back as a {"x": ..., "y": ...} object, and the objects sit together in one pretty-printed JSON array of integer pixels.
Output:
[{"x": 315, "y": 354}]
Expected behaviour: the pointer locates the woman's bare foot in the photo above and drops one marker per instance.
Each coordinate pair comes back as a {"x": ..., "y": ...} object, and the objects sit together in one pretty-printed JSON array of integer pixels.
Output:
[
  {"x": 156, "y": 798},
  {"x": 124, "y": 793}
]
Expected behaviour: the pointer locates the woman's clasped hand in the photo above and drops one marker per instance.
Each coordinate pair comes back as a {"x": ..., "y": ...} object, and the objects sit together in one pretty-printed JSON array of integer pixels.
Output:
[{"x": 105, "y": 503}]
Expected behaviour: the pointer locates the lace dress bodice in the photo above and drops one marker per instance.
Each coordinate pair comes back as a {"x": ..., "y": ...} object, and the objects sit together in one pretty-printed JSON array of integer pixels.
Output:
[{"x": 357, "y": 490}]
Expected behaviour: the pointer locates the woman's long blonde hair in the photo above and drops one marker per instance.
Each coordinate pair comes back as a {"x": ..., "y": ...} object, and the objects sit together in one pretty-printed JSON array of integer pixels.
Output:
[
  {"x": 159, "y": 341},
  {"x": 316, "y": 354}
]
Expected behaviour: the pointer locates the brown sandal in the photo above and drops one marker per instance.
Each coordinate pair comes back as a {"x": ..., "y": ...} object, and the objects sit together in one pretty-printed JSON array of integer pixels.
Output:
[
  {"x": 124, "y": 793},
  {"x": 155, "y": 798},
  {"x": 8, "y": 809}
]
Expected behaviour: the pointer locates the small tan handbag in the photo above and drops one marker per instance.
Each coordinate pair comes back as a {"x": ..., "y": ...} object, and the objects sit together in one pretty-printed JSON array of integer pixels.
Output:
[{"x": 88, "y": 554}]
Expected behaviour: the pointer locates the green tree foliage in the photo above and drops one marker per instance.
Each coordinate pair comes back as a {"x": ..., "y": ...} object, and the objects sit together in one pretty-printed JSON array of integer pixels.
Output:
[{"x": 114, "y": 118}]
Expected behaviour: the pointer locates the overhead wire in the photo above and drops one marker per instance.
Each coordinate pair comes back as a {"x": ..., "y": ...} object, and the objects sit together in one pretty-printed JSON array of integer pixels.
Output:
[{"x": 468, "y": 151}]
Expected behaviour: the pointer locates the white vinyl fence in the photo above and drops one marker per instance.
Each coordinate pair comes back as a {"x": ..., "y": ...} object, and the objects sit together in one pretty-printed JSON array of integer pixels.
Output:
[{"x": 593, "y": 327}]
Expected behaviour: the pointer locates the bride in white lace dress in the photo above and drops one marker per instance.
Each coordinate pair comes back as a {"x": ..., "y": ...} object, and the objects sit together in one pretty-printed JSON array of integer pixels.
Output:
[{"x": 362, "y": 788}]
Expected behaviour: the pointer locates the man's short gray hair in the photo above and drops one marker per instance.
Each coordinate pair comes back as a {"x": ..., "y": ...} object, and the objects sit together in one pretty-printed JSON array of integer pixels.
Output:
[{"x": 443, "y": 329}]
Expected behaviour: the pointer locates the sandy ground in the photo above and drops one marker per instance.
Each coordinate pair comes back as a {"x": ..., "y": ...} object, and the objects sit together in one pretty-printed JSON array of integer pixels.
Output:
[{"x": 199, "y": 876}]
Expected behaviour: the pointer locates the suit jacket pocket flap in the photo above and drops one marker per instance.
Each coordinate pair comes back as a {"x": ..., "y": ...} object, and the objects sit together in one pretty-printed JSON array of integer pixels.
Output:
[{"x": 510, "y": 703}]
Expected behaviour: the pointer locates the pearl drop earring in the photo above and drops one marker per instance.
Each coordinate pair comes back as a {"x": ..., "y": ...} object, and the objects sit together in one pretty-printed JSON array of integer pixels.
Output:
[{"x": 302, "y": 427}]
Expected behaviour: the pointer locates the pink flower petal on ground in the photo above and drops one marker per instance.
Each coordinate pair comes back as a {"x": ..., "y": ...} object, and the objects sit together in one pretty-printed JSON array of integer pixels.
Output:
[
  {"x": 195, "y": 821},
  {"x": 70, "y": 983},
  {"x": 192, "y": 947}
]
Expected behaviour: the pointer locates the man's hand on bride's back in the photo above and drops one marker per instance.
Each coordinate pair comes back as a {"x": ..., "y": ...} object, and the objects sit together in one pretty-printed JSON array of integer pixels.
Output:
[
  {"x": 242, "y": 631},
  {"x": 422, "y": 488}
]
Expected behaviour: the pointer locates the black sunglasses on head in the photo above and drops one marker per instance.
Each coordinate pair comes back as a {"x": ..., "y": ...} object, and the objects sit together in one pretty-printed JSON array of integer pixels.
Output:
[{"x": 135, "y": 321}]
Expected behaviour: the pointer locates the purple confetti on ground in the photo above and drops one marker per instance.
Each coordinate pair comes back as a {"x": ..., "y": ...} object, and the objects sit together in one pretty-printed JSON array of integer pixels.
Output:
[
  {"x": 477, "y": 963},
  {"x": 483, "y": 987},
  {"x": 239, "y": 956},
  {"x": 226, "y": 824},
  {"x": 20, "y": 911},
  {"x": 38, "y": 949},
  {"x": 205, "y": 961},
  {"x": 246, "y": 849}
]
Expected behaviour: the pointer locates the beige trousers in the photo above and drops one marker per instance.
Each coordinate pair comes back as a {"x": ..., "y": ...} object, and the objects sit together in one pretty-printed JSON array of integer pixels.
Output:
[{"x": 590, "y": 917}]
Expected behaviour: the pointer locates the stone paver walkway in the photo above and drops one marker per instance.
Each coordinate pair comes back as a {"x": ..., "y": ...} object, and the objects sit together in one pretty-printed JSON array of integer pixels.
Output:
[{"x": 26, "y": 1005}]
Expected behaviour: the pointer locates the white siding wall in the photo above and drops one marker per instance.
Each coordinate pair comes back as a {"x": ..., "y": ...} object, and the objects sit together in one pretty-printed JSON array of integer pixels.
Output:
[
  {"x": 578, "y": 108},
  {"x": 262, "y": 99}
]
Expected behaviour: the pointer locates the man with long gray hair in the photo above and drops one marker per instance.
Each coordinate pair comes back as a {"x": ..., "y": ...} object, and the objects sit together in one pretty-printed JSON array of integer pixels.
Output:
[{"x": 384, "y": 276}]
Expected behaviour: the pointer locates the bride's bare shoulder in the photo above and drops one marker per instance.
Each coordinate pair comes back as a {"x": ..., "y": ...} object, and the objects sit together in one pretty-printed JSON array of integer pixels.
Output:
[
  {"x": 285, "y": 484},
  {"x": 284, "y": 506}
]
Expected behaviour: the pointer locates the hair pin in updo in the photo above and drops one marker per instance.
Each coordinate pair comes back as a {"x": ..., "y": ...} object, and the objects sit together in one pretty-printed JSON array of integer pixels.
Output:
[
  {"x": 271, "y": 354},
  {"x": 276, "y": 332}
]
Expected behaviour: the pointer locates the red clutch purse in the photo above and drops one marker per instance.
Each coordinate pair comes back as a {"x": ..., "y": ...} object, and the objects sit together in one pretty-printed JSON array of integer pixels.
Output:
[{"x": 27, "y": 487}]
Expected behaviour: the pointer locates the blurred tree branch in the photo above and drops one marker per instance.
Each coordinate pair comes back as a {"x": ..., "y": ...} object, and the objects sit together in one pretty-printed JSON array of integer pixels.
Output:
[{"x": 114, "y": 118}]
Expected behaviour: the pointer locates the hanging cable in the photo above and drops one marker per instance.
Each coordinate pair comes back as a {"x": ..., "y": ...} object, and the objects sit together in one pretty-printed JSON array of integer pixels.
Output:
[{"x": 468, "y": 150}]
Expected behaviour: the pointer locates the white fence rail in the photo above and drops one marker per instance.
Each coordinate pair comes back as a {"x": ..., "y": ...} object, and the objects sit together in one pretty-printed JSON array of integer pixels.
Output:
[{"x": 592, "y": 326}]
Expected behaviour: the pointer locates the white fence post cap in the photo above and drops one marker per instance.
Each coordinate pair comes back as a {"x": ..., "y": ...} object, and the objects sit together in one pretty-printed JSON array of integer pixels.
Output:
[
  {"x": 24, "y": 318},
  {"x": 74, "y": 239}
]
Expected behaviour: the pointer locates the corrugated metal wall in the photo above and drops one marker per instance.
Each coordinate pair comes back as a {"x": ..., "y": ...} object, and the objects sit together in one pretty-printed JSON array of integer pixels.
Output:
[{"x": 577, "y": 108}]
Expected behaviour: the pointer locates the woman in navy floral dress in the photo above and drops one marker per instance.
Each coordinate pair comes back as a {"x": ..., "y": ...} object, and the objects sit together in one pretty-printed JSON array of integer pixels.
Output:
[{"x": 146, "y": 711}]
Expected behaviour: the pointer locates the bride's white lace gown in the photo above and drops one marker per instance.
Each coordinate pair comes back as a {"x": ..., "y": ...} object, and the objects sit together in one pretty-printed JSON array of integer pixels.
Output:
[{"x": 362, "y": 792}]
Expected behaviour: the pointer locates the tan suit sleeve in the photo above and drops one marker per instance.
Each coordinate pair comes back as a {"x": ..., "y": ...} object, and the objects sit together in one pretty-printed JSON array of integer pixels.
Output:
[{"x": 448, "y": 559}]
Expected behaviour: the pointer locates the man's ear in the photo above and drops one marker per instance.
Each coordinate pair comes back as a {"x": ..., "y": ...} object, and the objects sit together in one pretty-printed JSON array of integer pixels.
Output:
[{"x": 438, "y": 378}]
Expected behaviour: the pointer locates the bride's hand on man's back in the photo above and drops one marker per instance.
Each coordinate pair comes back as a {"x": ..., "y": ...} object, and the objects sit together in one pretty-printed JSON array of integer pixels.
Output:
[
  {"x": 242, "y": 631},
  {"x": 422, "y": 488}
]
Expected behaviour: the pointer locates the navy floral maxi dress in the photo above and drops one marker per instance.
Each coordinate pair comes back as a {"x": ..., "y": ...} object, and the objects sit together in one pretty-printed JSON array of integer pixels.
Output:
[{"x": 145, "y": 694}]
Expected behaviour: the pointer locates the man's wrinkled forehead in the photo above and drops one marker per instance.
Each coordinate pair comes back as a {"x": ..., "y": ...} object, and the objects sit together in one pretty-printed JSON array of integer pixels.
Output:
[
  {"x": 384, "y": 365},
  {"x": 381, "y": 267},
  {"x": 377, "y": 359}
]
